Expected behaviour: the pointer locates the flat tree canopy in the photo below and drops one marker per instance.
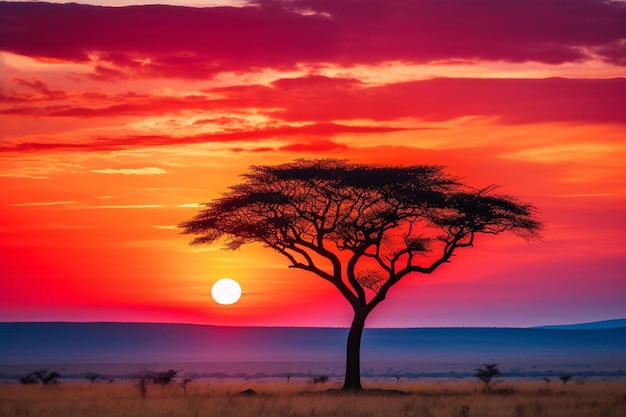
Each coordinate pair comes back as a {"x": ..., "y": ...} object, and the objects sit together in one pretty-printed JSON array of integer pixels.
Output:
[{"x": 360, "y": 227}]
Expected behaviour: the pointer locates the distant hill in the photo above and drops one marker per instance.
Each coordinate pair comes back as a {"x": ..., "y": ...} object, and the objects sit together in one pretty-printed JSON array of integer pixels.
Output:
[
  {"x": 150, "y": 342},
  {"x": 605, "y": 324}
]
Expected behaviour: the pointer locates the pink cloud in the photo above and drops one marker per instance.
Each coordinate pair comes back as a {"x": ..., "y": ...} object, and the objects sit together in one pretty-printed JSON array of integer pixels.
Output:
[
  {"x": 289, "y": 133},
  {"x": 36, "y": 89},
  {"x": 201, "y": 42},
  {"x": 320, "y": 146},
  {"x": 322, "y": 100}
]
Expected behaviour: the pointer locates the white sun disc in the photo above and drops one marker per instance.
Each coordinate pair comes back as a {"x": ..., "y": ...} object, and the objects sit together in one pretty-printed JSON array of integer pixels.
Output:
[{"x": 226, "y": 291}]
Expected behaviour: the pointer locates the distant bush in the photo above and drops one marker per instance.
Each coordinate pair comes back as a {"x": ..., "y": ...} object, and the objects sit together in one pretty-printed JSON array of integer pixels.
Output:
[
  {"x": 487, "y": 373},
  {"x": 92, "y": 376},
  {"x": 47, "y": 377},
  {"x": 164, "y": 378},
  {"x": 29, "y": 379},
  {"x": 42, "y": 376},
  {"x": 143, "y": 376},
  {"x": 320, "y": 379},
  {"x": 183, "y": 384}
]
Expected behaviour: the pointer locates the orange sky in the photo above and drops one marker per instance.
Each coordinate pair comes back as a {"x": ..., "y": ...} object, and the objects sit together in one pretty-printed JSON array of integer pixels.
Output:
[{"x": 116, "y": 122}]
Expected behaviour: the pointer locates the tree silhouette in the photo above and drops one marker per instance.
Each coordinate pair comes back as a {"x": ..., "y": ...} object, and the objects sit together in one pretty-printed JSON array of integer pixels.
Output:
[
  {"x": 184, "y": 383},
  {"x": 47, "y": 377},
  {"x": 142, "y": 377},
  {"x": 565, "y": 378},
  {"x": 320, "y": 379},
  {"x": 164, "y": 378},
  {"x": 92, "y": 376},
  {"x": 487, "y": 373},
  {"x": 360, "y": 227},
  {"x": 28, "y": 379}
]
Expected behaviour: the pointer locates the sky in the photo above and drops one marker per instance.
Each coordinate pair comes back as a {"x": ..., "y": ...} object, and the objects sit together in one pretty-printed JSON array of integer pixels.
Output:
[{"x": 119, "y": 119}]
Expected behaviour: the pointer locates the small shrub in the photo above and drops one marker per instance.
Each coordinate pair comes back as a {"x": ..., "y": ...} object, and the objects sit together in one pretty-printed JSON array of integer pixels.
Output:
[
  {"x": 487, "y": 373},
  {"x": 183, "y": 384},
  {"x": 320, "y": 379},
  {"x": 143, "y": 376},
  {"x": 164, "y": 378},
  {"x": 565, "y": 378},
  {"x": 29, "y": 379},
  {"x": 92, "y": 376},
  {"x": 47, "y": 377}
]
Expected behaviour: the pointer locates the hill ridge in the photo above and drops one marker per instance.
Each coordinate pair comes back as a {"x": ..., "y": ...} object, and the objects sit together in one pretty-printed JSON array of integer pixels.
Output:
[{"x": 602, "y": 324}]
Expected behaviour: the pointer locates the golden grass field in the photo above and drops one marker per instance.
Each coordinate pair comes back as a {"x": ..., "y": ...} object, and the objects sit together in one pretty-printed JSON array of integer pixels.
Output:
[{"x": 424, "y": 399}]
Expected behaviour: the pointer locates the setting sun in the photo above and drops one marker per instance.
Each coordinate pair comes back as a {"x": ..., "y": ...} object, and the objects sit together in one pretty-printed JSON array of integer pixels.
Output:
[{"x": 226, "y": 291}]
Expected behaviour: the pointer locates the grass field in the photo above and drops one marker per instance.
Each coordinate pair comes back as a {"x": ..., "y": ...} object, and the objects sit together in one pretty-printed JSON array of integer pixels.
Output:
[{"x": 424, "y": 399}]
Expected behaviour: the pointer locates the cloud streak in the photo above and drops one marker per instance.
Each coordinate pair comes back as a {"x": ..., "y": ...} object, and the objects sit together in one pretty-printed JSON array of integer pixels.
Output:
[
  {"x": 304, "y": 111},
  {"x": 121, "y": 206},
  {"x": 131, "y": 171},
  {"x": 510, "y": 100},
  {"x": 43, "y": 203},
  {"x": 289, "y": 133},
  {"x": 323, "y": 99}
]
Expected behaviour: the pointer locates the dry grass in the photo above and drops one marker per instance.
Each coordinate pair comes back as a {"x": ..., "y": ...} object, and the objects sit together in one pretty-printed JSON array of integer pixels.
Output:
[{"x": 424, "y": 399}]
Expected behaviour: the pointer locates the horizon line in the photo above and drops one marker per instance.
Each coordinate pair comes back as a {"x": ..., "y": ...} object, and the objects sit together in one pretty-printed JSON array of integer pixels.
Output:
[{"x": 544, "y": 326}]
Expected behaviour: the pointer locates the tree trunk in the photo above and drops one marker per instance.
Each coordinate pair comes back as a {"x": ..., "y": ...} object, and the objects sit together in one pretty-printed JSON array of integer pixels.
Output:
[{"x": 352, "y": 381}]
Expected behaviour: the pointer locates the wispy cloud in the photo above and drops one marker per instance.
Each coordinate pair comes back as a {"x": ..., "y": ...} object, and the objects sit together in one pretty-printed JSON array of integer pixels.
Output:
[
  {"x": 191, "y": 205},
  {"x": 131, "y": 171},
  {"x": 74, "y": 205},
  {"x": 44, "y": 203},
  {"x": 287, "y": 132},
  {"x": 566, "y": 152},
  {"x": 313, "y": 105},
  {"x": 122, "y": 206},
  {"x": 165, "y": 227},
  {"x": 586, "y": 195},
  {"x": 23, "y": 175}
]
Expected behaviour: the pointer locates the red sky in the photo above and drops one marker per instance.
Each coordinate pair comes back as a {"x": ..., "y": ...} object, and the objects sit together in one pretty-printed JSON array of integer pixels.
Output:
[{"x": 116, "y": 122}]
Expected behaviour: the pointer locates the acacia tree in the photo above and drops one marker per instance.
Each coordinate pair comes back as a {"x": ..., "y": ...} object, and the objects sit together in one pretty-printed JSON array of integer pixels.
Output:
[
  {"x": 487, "y": 373},
  {"x": 92, "y": 376},
  {"x": 362, "y": 228},
  {"x": 142, "y": 377},
  {"x": 164, "y": 378},
  {"x": 47, "y": 377}
]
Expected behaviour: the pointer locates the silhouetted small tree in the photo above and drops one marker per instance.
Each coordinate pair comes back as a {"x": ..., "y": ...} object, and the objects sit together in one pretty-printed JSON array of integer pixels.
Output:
[
  {"x": 143, "y": 376},
  {"x": 92, "y": 376},
  {"x": 320, "y": 379},
  {"x": 565, "y": 378},
  {"x": 29, "y": 379},
  {"x": 47, "y": 377},
  {"x": 183, "y": 384},
  {"x": 164, "y": 378},
  {"x": 487, "y": 373}
]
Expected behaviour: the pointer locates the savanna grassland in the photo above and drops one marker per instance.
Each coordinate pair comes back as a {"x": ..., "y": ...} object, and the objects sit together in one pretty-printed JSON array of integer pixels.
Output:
[{"x": 424, "y": 399}]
